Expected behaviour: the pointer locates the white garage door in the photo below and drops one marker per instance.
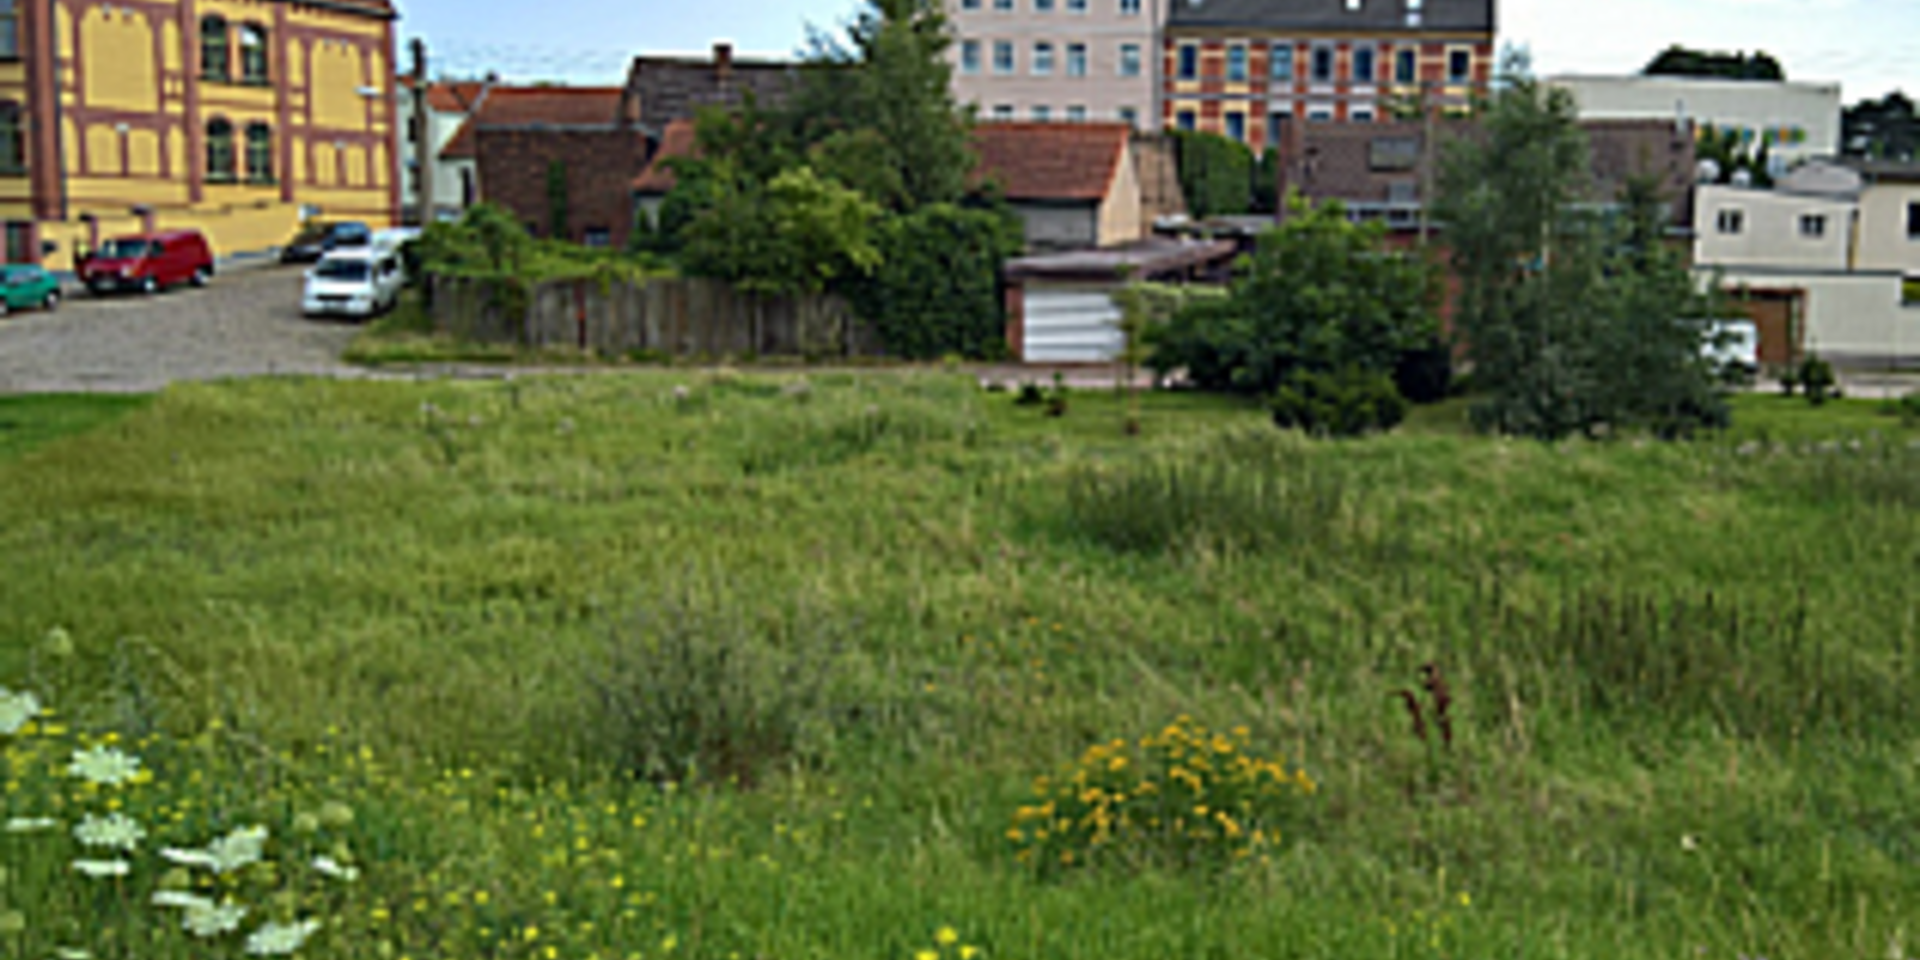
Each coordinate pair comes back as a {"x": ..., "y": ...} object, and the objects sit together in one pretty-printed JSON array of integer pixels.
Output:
[{"x": 1071, "y": 325}]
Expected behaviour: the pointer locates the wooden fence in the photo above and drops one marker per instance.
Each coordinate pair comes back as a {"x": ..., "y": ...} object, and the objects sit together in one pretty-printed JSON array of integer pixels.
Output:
[{"x": 676, "y": 317}]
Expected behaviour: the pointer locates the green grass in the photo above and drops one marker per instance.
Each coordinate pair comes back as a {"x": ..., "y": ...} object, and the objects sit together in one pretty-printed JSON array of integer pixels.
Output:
[
  {"x": 887, "y": 602},
  {"x": 31, "y": 421}
]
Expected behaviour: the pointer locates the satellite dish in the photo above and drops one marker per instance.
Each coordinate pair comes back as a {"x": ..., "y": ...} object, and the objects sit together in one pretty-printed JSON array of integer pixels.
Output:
[
  {"x": 1743, "y": 178},
  {"x": 1707, "y": 172}
]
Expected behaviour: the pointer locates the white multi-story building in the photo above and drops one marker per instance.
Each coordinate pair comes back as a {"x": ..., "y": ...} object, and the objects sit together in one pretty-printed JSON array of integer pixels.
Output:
[
  {"x": 455, "y": 180},
  {"x": 1796, "y": 121},
  {"x": 1055, "y": 60}
]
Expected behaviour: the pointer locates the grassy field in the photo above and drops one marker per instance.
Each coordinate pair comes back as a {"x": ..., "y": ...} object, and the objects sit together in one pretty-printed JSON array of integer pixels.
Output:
[{"x": 701, "y": 665}]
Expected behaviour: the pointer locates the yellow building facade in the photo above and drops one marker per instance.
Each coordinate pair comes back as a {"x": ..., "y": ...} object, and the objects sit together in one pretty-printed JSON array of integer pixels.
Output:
[{"x": 238, "y": 118}]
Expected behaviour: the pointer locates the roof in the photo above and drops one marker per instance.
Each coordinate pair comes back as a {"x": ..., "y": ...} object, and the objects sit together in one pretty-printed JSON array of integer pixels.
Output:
[
  {"x": 378, "y": 8},
  {"x": 536, "y": 108},
  {"x": 1139, "y": 259},
  {"x": 1376, "y": 16},
  {"x": 678, "y": 140},
  {"x": 451, "y": 96},
  {"x": 676, "y": 88},
  {"x": 1886, "y": 171},
  {"x": 1052, "y": 161}
]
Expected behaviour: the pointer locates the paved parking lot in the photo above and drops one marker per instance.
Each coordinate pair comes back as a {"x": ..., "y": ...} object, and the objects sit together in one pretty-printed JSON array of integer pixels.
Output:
[{"x": 246, "y": 323}]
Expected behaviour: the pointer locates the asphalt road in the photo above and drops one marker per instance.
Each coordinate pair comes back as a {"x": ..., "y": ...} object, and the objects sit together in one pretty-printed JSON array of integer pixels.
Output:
[{"x": 246, "y": 323}]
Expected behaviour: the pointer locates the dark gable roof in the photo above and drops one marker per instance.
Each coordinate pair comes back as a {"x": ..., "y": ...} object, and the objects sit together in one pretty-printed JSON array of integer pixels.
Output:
[
  {"x": 1381, "y": 16},
  {"x": 677, "y": 88}
]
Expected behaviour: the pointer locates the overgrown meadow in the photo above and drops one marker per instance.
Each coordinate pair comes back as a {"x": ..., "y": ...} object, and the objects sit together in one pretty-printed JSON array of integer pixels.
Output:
[{"x": 845, "y": 666}]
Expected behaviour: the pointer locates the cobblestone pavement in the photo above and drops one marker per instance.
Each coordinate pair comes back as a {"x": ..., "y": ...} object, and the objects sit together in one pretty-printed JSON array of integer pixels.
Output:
[{"x": 246, "y": 323}]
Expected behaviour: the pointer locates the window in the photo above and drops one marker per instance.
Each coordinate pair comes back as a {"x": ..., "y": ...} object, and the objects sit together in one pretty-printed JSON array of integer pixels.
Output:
[
  {"x": 1129, "y": 59},
  {"x": 1076, "y": 59},
  {"x": 1043, "y": 6},
  {"x": 213, "y": 49},
  {"x": 1128, "y": 116},
  {"x": 1363, "y": 65},
  {"x": 1129, "y": 8},
  {"x": 13, "y": 142},
  {"x": 1002, "y": 56},
  {"x": 1322, "y": 64},
  {"x": 1459, "y": 66},
  {"x": 1189, "y": 65},
  {"x": 1913, "y": 221},
  {"x": 1076, "y": 6},
  {"x": 1406, "y": 67},
  {"x": 596, "y": 237},
  {"x": 1813, "y": 226},
  {"x": 20, "y": 242},
  {"x": 1077, "y": 113},
  {"x": 9, "y": 30},
  {"x": 1185, "y": 120},
  {"x": 1237, "y": 127},
  {"x": 1236, "y": 64},
  {"x": 1363, "y": 115},
  {"x": 219, "y": 150},
  {"x": 1320, "y": 114},
  {"x": 969, "y": 4},
  {"x": 1730, "y": 222},
  {"x": 469, "y": 191},
  {"x": 1003, "y": 4},
  {"x": 253, "y": 54},
  {"x": 1280, "y": 66},
  {"x": 1042, "y": 59},
  {"x": 259, "y": 153},
  {"x": 970, "y": 56},
  {"x": 1003, "y": 111},
  {"x": 1042, "y": 113},
  {"x": 1277, "y": 126}
]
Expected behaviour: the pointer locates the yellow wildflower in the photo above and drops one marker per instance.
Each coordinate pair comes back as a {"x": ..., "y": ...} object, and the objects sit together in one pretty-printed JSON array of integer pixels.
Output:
[{"x": 946, "y": 937}]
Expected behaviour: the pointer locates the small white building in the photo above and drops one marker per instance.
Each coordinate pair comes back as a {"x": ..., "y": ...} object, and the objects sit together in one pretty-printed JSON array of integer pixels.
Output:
[
  {"x": 1797, "y": 121},
  {"x": 455, "y": 180}
]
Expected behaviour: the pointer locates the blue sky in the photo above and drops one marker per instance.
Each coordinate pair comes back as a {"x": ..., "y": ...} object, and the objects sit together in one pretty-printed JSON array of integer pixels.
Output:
[{"x": 1871, "y": 46}]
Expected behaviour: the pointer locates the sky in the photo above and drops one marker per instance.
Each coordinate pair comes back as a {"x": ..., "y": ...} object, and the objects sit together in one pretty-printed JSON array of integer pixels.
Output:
[{"x": 1869, "y": 46}]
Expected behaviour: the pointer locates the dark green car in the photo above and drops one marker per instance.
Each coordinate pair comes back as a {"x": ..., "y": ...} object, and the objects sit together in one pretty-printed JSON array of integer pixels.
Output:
[{"x": 27, "y": 287}]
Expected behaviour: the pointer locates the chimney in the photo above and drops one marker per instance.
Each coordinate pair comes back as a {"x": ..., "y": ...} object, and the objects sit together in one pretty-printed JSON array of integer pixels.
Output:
[{"x": 723, "y": 62}]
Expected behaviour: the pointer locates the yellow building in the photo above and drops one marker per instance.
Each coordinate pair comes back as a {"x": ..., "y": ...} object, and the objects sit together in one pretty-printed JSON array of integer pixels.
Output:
[{"x": 234, "y": 117}]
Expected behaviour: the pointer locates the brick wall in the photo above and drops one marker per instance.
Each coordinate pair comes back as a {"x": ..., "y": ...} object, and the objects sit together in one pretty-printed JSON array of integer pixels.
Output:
[{"x": 600, "y": 165}]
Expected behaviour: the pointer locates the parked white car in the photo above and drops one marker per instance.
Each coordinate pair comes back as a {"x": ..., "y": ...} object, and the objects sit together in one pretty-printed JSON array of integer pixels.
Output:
[
  {"x": 1733, "y": 347},
  {"x": 360, "y": 283}
]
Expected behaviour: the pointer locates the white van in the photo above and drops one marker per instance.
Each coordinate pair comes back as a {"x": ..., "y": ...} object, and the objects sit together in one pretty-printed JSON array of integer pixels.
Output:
[{"x": 360, "y": 282}]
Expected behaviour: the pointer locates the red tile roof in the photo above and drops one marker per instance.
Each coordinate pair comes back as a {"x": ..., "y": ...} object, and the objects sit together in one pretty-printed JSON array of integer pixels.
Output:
[
  {"x": 675, "y": 141},
  {"x": 457, "y": 96},
  {"x": 532, "y": 107},
  {"x": 1051, "y": 161}
]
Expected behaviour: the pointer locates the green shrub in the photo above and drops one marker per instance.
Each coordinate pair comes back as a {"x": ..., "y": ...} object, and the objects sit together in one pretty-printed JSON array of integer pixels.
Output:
[
  {"x": 1817, "y": 380},
  {"x": 938, "y": 290},
  {"x": 1216, "y": 173},
  {"x": 1350, "y": 403},
  {"x": 1424, "y": 374}
]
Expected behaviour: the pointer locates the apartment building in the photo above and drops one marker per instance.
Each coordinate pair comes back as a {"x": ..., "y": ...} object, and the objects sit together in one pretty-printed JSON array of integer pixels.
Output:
[
  {"x": 1059, "y": 60},
  {"x": 1241, "y": 68},
  {"x": 235, "y": 117}
]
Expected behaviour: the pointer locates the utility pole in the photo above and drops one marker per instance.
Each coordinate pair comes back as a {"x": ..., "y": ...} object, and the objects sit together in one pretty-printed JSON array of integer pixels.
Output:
[
  {"x": 1428, "y": 113},
  {"x": 422, "y": 137}
]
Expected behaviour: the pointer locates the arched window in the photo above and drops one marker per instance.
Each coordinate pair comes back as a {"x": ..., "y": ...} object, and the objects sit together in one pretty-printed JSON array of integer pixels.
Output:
[
  {"x": 219, "y": 150},
  {"x": 13, "y": 141},
  {"x": 259, "y": 153},
  {"x": 215, "y": 55},
  {"x": 253, "y": 54},
  {"x": 9, "y": 29}
]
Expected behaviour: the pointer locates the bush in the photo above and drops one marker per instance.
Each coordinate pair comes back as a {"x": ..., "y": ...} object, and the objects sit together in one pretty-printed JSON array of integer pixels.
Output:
[
  {"x": 1350, "y": 403},
  {"x": 938, "y": 291},
  {"x": 1183, "y": 797},
  {"x": 1425, "y": 373},
  {"x": 1817, "y": 381},
  {"x": 1216, "y": 173}
]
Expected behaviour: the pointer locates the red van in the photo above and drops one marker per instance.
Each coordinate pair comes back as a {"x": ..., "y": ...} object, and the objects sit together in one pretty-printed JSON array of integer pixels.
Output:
[{"x": 148, "y": 263}]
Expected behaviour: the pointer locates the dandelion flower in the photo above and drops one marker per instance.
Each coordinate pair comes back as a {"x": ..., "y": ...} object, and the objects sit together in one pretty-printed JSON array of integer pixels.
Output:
[
  {"x": 329, "y": 867},
  {"x": 281, "y": 939},
  {"x": 969, "y": 952},
  {"x": 209, "y": 921},
  {"x": 104, "y": 766},
  {"x": 16, "y": 711},
  {"x": 31, "y": 824},
  {"x": 181, "y": 900},
  {"x": 946, "y": 937},
  {"x": 115, "y": 830},
  {"x": 926, "y": 955},
  {"x": 100, "y": 869}
]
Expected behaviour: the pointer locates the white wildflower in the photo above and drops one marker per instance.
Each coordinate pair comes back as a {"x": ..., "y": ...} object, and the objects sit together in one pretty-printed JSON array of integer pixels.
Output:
[
  {"x": 115, "y": 830},
  {"x": 188, "y": 858},
  {"x": 71, "y": 953},
  {"x": 16, "y": 711},
  {"x": 281, "y": 939},
  {"x": 104, "y": 766},
  {"x": 101, "y": 869},
  {"x": 59, "y": 643},
  {"x": 237, "y": 850},
  {"x": 181, "y": 900},
  {"x": 32, "y": 824},
  {"x": 329, "y": 867},
  {"x": 211, "y": 921}
]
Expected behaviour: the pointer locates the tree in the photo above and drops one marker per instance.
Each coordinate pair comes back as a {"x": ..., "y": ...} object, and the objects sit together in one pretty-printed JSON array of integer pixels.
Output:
[
  {"x": 1679, "y": 61},
  {"x": 1321, "y": 293},
  {"x": 1884, "y": 129},
  {"x": 938, "y": 290},
  {"x": 1575, "y": 323},
  {"x": 1216, "y": 173},
  {"x": 798, "y": 234}
]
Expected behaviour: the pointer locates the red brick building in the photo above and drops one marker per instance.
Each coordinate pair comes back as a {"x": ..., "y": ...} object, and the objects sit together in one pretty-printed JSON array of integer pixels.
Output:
[
  {"x": 521, "y": 138},
  {"x": 1243, "y": 68}
]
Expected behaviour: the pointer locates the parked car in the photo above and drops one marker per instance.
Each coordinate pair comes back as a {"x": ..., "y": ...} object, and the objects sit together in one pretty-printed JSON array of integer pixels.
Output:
[
  {"x": 25, "y": 287},
  {"x": 353, "y": 283},
  {"x": 317, "y": 238},
  {"x": 1733, "y": 348},
  {"x": 148, "y": 263}
]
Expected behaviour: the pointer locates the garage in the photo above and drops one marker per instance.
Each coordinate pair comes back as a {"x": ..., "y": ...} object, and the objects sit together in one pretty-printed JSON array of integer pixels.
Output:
[{"x": 1060, "y": 306}]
